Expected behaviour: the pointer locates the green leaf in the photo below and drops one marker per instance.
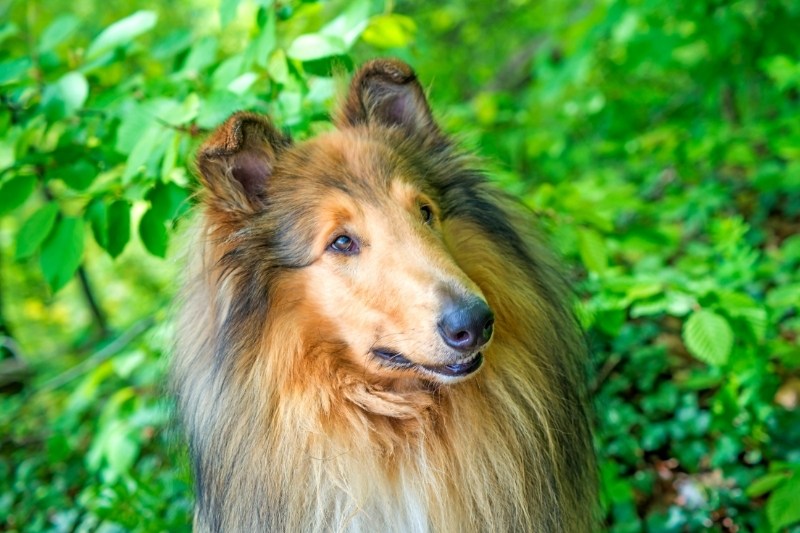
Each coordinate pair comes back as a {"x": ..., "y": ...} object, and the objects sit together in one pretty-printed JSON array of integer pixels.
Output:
[
  {"x": 350, "y": 24},
  {"x": 66, "y": 96},
  {"x": 654, "y": 307},
  {"x": 784, "y": 297},
  {"x": 35, "y": 230},
  {"x": 151, "y": 147},
  {"x": 315, "y": 46},
  {"x": 679, "y": 304},
  {"x": 227, "y": 11},
  {"x": 172, "y": 151},
  {"x": 202, "y": 54},
  {"x": 58, "y": 448},
  {"x": 185, "y": 112},
  {"x": 325, "y": 68},
  {"x": 766, "y": 483},
  {"x": 592, "y": 249},
  {"x": 390, "y": 31},
  {"x": 8, "y": 30},
  {"x": 708, "y": 337},
  {"x": 62, "y": 252},
  {"x": 783, "y": 70},
  {"x": 277, "y": 68},
  {"x": 216, "y": 108},
  {"x": 641, "y": 290},
  {"x": 240, "y": 85},
  {"x": 56, "y": 33},
  {"x": 119, "y": 227},
  {"x": 14, "y": 70},
  {"x": 267, "y": 39},
  {"x": 756, "y": 319},
  {"x": 97, "y": 215},
  {"x": 782, "y": 507},
  {"x": 121, "y": 447},
  {"x": 615, "y": 488},
  {"x": 135, "y": 122},
  {"x": 111, "y": 224},
  {"x": 153, "y": 232},
  {"x": 78, "y": 176},
  {"x": 15, "y": 191},
  {"x": 227, "y": 71},
  {"x": 168, "y": 200},
  {"x": 122, "y": 32},
  {"x": 174, "y": 43}
]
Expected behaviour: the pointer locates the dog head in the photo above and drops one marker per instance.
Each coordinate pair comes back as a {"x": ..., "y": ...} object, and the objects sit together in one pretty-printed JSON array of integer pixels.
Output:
[{"x": 350, "y": 231}]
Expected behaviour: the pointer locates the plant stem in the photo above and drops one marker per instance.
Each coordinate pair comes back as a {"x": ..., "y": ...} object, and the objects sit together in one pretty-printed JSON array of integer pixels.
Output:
[
  {"x": 4, "y": 331},
  {"x": 94, "y": 306},
  {"x": 86, "y": 286}
]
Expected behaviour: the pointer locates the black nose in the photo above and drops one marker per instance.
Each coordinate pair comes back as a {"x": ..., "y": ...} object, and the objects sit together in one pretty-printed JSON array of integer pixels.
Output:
[{"x": 466, "y": 323}]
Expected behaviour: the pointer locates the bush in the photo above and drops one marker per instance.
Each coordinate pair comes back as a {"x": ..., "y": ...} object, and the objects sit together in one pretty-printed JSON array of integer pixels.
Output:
[{"x": 657, "y": 142}]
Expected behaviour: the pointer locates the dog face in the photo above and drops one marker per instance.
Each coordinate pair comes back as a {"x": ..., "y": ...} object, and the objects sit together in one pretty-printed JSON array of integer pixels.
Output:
[
  {"x": 383, "y": 275},
  {"x": 354, "y": 224}
]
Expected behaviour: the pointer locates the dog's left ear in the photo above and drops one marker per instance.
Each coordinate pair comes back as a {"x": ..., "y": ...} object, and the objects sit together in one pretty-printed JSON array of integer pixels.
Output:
[{"x": 386, "y": 92}]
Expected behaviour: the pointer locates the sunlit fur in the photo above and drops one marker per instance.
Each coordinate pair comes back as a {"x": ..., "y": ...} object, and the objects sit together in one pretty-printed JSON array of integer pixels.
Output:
[{"x": 293, "y": 424}]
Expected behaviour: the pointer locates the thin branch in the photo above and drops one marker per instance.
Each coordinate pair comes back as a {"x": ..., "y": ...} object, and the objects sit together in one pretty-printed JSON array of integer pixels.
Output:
[
  {"x": 603, "y": 374},
  {"x": 193, "y": 130},
  {"x": 14, "y": 109},
  {"x": 33, "y": 51},
  {"x": 516, "y": 71},
  {"x": 86, "y": 287},
  {"x": 14, "y": 371},
  {"x": 100, "y": 356},
  {"x": 730, "y": 109},
  {"x": 6, "y": 340},
  {"x": 97, "y": 312},
  {"x": 8, "y": 343}
]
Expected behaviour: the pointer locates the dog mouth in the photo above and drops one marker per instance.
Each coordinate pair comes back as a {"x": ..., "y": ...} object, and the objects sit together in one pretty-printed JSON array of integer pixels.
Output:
[{"x": 460, "y": 368}]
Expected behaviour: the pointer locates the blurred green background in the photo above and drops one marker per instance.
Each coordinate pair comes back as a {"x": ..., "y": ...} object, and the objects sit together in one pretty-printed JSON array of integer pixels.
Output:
[{"x": 659, "y": 142}]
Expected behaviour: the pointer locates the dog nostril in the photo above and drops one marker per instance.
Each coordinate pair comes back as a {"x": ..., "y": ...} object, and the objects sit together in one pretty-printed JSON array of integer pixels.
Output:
[
  {"x": 488, "y": 328},
  {"x": 466, "y": 324},
  {"x": 461, "y": 336}
]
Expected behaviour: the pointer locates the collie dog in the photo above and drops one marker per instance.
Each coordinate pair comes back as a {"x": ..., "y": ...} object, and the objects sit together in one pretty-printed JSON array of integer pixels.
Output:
[{"x": 372, "y": 338}]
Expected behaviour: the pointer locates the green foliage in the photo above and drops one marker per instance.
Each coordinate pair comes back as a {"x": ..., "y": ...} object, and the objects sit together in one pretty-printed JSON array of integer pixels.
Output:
[
  {"x": 782, "y": 508},
  {"x": 35, "y": 230},
  {"x": 62, "y": 252},
  {"x": 121, "y": 33},
  {"x": 15, "y": 191},
  {"x": 709, "y": 337},
  {"x": 656, "y": 141}
]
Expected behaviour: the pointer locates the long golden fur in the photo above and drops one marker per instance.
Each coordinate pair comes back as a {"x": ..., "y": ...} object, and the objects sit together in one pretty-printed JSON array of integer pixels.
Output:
[{"x": 315, "y": 388}]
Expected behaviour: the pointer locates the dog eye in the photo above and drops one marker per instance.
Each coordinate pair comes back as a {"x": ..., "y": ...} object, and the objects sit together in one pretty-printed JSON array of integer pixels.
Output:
[
  {"x": 345, "y": 245},
  {"x": 427, "y": 213}
]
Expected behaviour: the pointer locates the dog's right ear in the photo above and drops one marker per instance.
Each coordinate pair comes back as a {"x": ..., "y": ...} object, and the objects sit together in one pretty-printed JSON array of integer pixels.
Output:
[{"x": 236, "y": 162}]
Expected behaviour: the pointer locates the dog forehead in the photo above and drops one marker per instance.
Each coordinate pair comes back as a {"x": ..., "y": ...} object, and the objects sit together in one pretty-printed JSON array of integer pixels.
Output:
[{"x": 364, "y": 167}]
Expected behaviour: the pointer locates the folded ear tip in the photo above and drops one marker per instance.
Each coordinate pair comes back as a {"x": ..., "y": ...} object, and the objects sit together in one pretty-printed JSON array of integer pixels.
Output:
[
  {"x": 238, "y": 157},
  {"x": 232, "y": 135},
  {"x": 391, "y": 70},
  {"x": 386, "y": 92},
  {"x": 236, "y": 132}
]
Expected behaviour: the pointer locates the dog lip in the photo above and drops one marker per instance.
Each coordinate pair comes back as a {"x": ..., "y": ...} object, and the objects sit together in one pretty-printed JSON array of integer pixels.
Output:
[
  {"x": 392, "y": 357},
  {"x": 462, "y": 368}
]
